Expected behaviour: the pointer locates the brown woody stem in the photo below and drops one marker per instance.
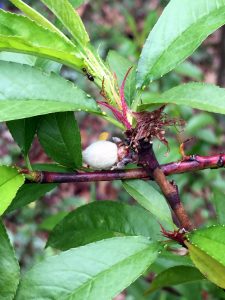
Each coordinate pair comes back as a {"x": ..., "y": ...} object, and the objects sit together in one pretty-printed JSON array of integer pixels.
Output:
[
  {"x": 192, "y": 164},
  {"x": 152, "y": 170},
  {"x": 148, "y": 160}
]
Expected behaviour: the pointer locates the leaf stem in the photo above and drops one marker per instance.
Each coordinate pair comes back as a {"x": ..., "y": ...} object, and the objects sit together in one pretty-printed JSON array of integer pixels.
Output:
[{"x": 27, "y": 161}]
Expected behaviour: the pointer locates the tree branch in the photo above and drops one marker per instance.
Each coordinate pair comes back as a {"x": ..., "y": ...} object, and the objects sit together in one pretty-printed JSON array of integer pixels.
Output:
[
  {"x": 148, "y": 160},
  {"x": 192, "y": 164}
]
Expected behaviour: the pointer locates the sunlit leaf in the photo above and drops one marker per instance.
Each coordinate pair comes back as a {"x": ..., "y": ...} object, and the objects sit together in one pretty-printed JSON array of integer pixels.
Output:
[
  {"x": 207, "y": 251},
  {"x": 99, "y": 270},
  {"x": 181, "y": 28},
  {"x": 10, "y": 182},
  {"x": 69, "y": 18},
  {"x": 150, "y": 199},
  {"x": 196, "y": 95},
  {"x": 28, "y": 92},
  {"x": 20, "y": 34}
]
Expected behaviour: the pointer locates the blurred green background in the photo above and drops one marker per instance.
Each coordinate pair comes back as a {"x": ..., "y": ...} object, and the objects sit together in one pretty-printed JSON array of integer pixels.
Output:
[{"x": 123, "y": 26}]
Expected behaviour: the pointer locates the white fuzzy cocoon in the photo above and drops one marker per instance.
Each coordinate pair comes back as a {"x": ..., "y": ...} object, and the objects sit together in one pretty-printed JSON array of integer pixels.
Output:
[{"x": 101, "y": 155}]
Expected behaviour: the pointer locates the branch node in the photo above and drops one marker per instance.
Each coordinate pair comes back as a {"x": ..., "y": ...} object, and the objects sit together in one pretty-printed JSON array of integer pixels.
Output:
[{"x": 220, "y": 163}]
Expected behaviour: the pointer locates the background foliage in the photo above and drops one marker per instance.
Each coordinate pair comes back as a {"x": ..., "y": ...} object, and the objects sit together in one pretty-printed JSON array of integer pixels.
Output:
[{"x": 28, "y": 227}]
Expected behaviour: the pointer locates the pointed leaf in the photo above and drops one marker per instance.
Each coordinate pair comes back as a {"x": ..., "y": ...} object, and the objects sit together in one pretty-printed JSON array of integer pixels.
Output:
[
  {"x": 182, "y": 27},
  {"x": 149, "y": 198},
  {"x": 9, "y": 267},
  {"x": 23, "y": 132},
  {"x": 29, "y": 193},
  {"x": 99, "y": 270},
  {"x": 10, "y": 182},
  {"x": 59, "y": 135},
  {"x": 208, "y": 266},
  {"x": 120, "y": 65},
  {"x": 76, "y": 3},
  {"x": 101, "y": 220},
  {"x": 21, "y": 45},
  {"x": 38, "y": 18},
  {"x": 173, "y": 276},
  {"x": 48, "y": 65},
  {"x": 207, "y": 251},
  {"x": 50, "y": 168},
  {"x": 50, "y": 222},
  {"x": 196, "y": 95},
  {"x": 20, "y": 34},
  {"x": 69, "y": 18},
  {"x": 27, "y": 92},
  {"x": 20, "y": 58},
  {"x": 211, "y": 240},
  {"x": 189, "y": 69}
]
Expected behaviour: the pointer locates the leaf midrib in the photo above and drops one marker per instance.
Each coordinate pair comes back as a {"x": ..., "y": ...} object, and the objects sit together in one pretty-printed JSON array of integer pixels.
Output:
[
  {"x": 67, "y": 147},
  {"x": 183, "y": 32},
  {"x": 92, "y": 280},
  {"x": 8, "y": 180}
]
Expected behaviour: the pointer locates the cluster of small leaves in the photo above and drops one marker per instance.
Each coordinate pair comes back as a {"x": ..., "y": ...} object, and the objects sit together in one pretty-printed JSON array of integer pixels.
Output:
[{"x": 108, "y": 244}]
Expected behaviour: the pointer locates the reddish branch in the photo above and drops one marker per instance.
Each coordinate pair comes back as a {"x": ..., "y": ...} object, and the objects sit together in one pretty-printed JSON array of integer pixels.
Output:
[
  {"x": 148, "y": 160},
  {"x": 194, "y": 163},
  {"x": 151, "y": 170}
]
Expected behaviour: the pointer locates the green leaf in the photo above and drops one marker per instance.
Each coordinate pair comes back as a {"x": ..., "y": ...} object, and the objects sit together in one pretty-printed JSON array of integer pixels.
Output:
[
  {"x": 50, "y": 222},
  {"x": 211, "y": 240},
  {"x": 99, "y": 270},
  {"x": 47, "y": 65},
  {"x": 76, "y": 3},
  {"x": 101, "y": 220},
  {"x": 209, "y": 267},
  {"x": 20, "y": 34},
  {"x": 173, "y": 276},
  {"x": 38, "y": 18},
  {"x": 23, "y": 132},
  {"x": 207, "y": 135},
  {"x": 150, "y": 199},
  {"x": 207, "y": 251},
  {"x": 188, "y": 69},
  {"x": 120, "y": 65},
  {"x": 59, "y": 136},
  {"x": 218, "y": 200},
  {"x": 10, "y": 182},
  {"x": 29, "y": 193},
  {"x": 149, "y": 23},
  {"x": 196, "y": 95},
  {"x": 198, "y": 122},
  {"x": 168, "y": 260},
  {"x": 69, "y": 18},
  {"x": 51, "y": 168},
  {"x": 182, "y": 27},
  {"x": 20, "y": 58},
  {"x": 9, "y": 267},
  {"x": 28, "y": 92}
]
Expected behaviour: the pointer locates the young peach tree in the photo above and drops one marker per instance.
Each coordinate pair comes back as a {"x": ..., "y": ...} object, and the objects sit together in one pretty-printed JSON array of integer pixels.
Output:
[{"x": 107, "y": 245}]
